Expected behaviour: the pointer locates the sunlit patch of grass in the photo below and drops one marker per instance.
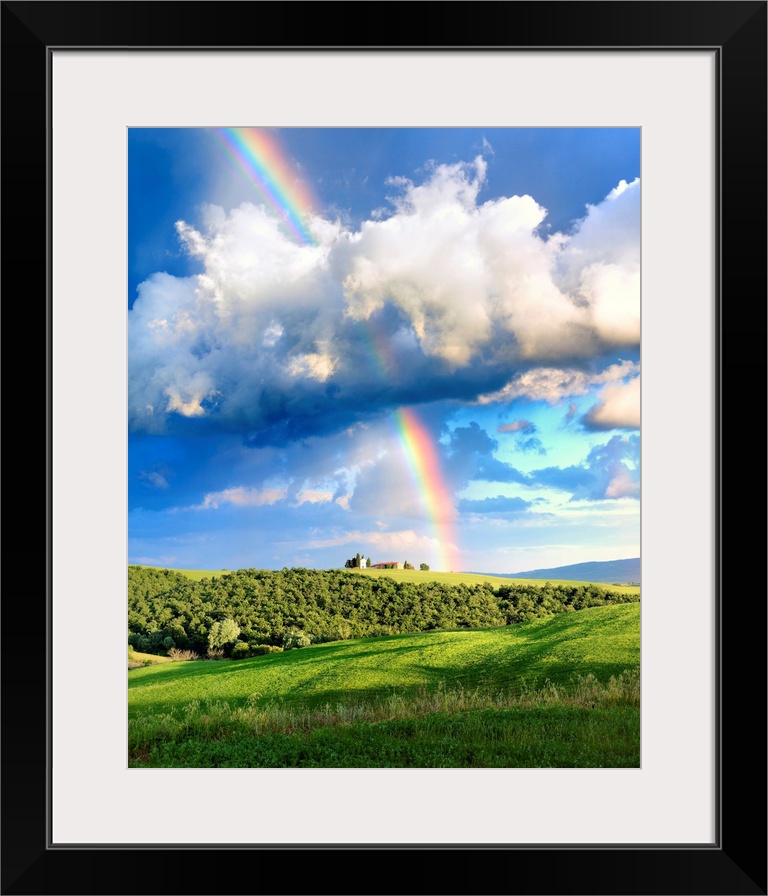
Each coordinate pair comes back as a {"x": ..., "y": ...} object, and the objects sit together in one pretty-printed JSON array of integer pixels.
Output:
[
  {"x": 602, "y": 641},
  {"x": 197, "y": 575},
  {"x": 137, "y": 660}
]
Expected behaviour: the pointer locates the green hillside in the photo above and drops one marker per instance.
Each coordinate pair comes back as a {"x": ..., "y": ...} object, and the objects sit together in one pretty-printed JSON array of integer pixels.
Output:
[
  {"x": 196, "y": 575},
  {"x": 415, "y": 575},
  {"x": 258, "y": 608},
  {"x": 556, "y": 692},
  {"x": 603, "y": 641},
  {"x": 472, "y": 578}
]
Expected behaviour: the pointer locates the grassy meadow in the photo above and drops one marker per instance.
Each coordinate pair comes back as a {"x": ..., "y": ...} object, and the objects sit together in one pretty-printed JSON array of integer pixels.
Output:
[{"x": 559, "y": 691}]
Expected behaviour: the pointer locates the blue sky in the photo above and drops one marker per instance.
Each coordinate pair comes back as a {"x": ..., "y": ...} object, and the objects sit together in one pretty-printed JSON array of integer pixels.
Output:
[{"x": 416, "y": 344}]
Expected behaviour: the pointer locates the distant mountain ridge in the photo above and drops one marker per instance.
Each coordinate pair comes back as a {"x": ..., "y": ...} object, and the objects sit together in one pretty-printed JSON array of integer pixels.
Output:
[{"x": 611, "y": 572}]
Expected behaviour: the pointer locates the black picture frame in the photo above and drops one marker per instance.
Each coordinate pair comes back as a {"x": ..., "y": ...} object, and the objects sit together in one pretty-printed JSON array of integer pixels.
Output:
[{"x": 735, "y": 863}]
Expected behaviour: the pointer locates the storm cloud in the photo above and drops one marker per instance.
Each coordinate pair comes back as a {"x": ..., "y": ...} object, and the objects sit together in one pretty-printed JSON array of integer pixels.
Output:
[{"x": 443, "y": 296}]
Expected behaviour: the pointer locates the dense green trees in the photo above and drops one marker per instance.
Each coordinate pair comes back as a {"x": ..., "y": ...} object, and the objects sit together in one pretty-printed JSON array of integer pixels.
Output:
[{"x": 262, "y": 608}]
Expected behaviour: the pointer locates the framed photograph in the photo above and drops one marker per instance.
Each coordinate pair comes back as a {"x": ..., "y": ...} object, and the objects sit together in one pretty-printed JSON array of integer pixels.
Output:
[{"x": 100, "y": 97}]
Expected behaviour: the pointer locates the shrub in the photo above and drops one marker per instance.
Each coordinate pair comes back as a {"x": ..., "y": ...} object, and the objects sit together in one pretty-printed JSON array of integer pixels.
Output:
[
  {"x": 175, "y": 653},
  {"x": 263, "y": 649},
  {"x": 342, "y": 631},
  {"x": 294, "y": 638},
  {"x": 240, "y": 650},
  {"x": 215, "y": 653}
]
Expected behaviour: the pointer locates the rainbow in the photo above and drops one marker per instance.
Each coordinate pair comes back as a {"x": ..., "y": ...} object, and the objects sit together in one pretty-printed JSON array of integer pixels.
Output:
[
  {"x": 258, "y": 156},
  {"x": 419, "y": 450}
]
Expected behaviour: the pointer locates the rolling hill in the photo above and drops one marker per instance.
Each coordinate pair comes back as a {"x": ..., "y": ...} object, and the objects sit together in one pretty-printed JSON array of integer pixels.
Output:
[
  {"x": 561, "y": 691},
  {"x": 602, "y": 641},
  {"x": 618, "y": 572}
]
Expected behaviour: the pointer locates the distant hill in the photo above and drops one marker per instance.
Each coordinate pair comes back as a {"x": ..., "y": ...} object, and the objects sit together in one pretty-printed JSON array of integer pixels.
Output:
[{"x": 611, "y": 572}]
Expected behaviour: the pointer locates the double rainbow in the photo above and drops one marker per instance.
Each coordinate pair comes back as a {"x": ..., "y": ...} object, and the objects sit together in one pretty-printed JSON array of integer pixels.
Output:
[{"x": 258, "y": 156}]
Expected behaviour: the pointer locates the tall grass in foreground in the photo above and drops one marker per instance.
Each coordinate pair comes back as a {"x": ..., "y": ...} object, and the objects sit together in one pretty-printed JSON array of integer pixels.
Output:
[{"x": 586, "y": 723}]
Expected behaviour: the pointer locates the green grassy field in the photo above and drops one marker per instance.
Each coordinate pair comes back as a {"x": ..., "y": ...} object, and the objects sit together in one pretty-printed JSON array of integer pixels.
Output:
[
  {"x": 602, "y": 640},
  {"x": 542, "y": 693},
  {"x": 416, "y": 575},
  {"x": 564, "y": 735}
]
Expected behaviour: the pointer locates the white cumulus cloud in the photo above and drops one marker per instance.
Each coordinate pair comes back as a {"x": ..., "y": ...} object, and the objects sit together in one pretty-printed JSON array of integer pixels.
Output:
[
  {"x": 442, "y": 288},
  {"x": 618, "y": 407}
]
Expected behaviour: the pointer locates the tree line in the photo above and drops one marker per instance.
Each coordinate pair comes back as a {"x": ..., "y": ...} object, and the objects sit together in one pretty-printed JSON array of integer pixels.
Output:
[{"x": 271, "y": 609}]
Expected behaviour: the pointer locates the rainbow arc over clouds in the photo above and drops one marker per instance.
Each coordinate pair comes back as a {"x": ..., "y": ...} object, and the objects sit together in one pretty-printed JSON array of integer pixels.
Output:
[
  {"x": 424, "y": 463},
  {"x": 260, "y": 158}
]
